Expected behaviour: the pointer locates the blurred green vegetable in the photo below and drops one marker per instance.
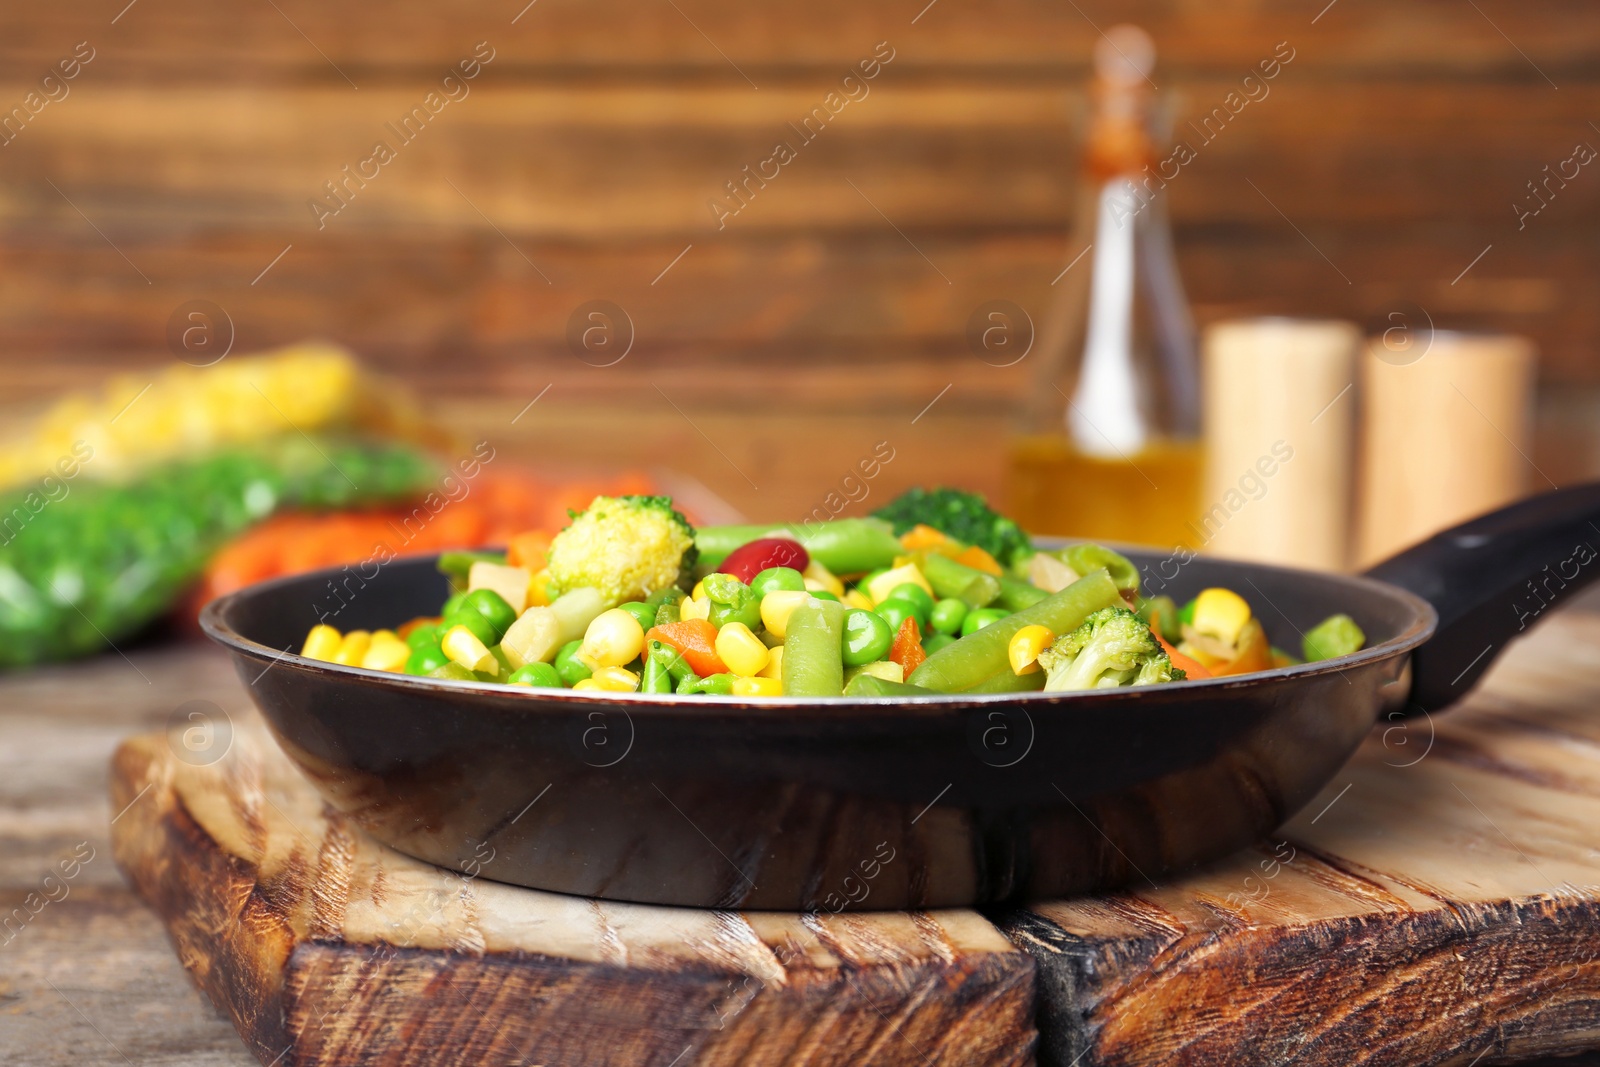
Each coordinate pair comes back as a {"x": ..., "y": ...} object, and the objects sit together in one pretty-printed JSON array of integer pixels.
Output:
[
  {"x": 1335, "y": 636},
  {"x": 102, "y": 560},
  {"x": 964, "y": 516}
]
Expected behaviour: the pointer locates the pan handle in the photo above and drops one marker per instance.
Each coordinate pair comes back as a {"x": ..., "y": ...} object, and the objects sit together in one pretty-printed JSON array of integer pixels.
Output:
[{"x": 1490, "y": 579}]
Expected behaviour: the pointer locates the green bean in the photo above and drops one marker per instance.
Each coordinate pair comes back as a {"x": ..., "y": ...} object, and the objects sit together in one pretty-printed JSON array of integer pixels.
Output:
[
  {"x": 670, "y": 660},
  {"x": 1016, "y": 594},
  {"x": 868, "y": 685},
  {"x": 1337, "y": 635},
  {"x": 1086, "y": 557},
  {"x": 813, "y": 665},
  {"x": 1007, "y": 681},
  {"x": 972, "y": 587},
  {"x": 844, "y": 546},
  {"x": 655, "y": 678},
  {"x": 981, "y": 655}
]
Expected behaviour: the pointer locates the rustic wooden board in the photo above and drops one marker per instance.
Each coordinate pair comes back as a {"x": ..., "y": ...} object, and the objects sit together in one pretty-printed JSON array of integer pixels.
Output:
[
  {"x": 327, "y": 948},
  {"x": 1438, "y": 903}
]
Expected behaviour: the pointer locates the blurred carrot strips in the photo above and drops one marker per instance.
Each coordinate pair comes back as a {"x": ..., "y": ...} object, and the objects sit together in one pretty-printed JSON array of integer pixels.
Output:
[{"x": 512, "y": 508}]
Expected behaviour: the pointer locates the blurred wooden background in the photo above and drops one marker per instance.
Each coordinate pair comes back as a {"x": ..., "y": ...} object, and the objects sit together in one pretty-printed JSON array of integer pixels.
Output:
[{"x": 1386, "y": 159}]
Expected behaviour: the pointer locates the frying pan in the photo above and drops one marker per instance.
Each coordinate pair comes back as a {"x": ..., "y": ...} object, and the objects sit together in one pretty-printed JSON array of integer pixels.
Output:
[{"x": 938, "y": 801}]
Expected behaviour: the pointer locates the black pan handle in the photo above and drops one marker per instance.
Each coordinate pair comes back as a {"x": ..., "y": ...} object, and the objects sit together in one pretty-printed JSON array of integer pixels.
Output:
[{"x": 1490, "y": 579}]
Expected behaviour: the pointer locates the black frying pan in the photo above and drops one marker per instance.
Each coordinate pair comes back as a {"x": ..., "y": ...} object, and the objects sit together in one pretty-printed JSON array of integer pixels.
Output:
[{"x": 800, "y": 804}]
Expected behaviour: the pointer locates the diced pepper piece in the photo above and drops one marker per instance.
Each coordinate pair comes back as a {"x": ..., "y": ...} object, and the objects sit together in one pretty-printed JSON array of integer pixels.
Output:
[
  {"x": 907, "y": 648},
  {"x": 1255, "y": 652},
  {"x": 1026, "y": 644},
  {"x": 1192, "y": 669},
  {"x": 922, "y": 536},
  {"x": 978, "y": 559},
  {"x": 1220, "y": 613},
  {"x": 696, "y": 639}
]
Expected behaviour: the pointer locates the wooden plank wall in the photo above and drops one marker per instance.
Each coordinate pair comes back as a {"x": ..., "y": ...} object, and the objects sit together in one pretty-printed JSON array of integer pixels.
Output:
[{"x": 578, "y": 165}]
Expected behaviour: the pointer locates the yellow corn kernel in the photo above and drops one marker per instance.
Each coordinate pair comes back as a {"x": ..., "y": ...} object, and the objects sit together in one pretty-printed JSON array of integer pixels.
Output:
[
  {"x": 353, "y": 647},
  {"x": 1220, "y": 613},
  {"x": 757, "y": 687},
  {"x": 881, "y": 586},
  {"x": 615, "y": 680},
  {"x": 539, "y": 590},
  {"x": 1026, "y": 644},
  {"x": 777, "y": 606},
  {"x": 586, "y": 683},
  {"x": 386, "y": 652},
  {"x": 774, "y": 667},
  {"x": 741, "y": 650},
  {"x": 699, "y": 590},
  {"x": 614, "y": 638},
  {"x": 695, "y": 608},
  {"x": 816, "y": 572},
  {"x": 322, "y": 643},
  {"x": 855, "y": 598},
  {"x": 463, "y": 647}
]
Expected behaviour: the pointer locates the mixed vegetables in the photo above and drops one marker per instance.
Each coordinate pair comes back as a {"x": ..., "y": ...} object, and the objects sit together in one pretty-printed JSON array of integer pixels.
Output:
[{"x": 935, "y": 594}]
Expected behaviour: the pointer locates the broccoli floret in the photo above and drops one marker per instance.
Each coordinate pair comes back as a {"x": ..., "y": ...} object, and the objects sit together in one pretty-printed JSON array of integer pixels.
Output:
[
  {"x": 1113, "y": 647},
  {"x": 961, "y": 515},
  {"x": 627, "y": 547}
]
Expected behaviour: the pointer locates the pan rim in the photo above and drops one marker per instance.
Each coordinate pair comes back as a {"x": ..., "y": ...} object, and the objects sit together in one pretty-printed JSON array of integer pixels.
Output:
[{"x": 215, "y": 625}]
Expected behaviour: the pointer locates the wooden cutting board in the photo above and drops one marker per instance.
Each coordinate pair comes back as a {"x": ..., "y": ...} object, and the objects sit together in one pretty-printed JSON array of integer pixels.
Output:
[
  {"x": 1439, "y": 903},
  {"x": 327, "y": 948}
]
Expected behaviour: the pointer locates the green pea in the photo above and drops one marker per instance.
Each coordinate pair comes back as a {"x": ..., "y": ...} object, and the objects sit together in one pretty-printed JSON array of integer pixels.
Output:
[
  {"x": 426, "y": 634},
  {"x": 775, "y": 578},
  {"x": 867, "y": 637},
  {"x": 823, "y": 594},
  {"x": 492, "y": 606},
  {"x": 1186, "y": 613},
  {"x": 452, "y": 604},
  {"x": 453, "y": 672},
  {"x": 426, "y": 658},
  {"x": 917, "y": 595},
  {"x": 480, "y": 626},
  {"x": 645, "y": 613},
  {"x": 895, "y": 612},
  {"x": 936, "y": 642},
  {"x": 537, "y": 675},
  {"x": 977, "y": 620},
  {"x": 947, "y": 616},
  {"x": 569, "y": 666}
]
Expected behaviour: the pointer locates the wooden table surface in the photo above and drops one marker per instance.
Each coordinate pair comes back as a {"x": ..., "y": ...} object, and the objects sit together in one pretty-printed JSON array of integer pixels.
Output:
[{"x": 90, "y": 977}]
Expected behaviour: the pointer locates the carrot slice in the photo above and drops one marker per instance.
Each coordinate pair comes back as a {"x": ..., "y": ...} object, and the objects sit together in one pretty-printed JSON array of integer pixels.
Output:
[
  {"x": 907, "y": 648},
  {"x": 696, "y": 639},
  {"x": 1191, "y": 669}
]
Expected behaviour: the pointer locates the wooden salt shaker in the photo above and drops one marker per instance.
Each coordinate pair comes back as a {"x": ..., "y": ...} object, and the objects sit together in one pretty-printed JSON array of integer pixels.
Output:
[
  {"x": 1279, "y": 418},
  {"x": 1446, "y": 433}
]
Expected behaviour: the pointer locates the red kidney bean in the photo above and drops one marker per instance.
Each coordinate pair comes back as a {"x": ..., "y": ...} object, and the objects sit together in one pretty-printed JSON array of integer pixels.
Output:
[{"x": 749, "y": 560}]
